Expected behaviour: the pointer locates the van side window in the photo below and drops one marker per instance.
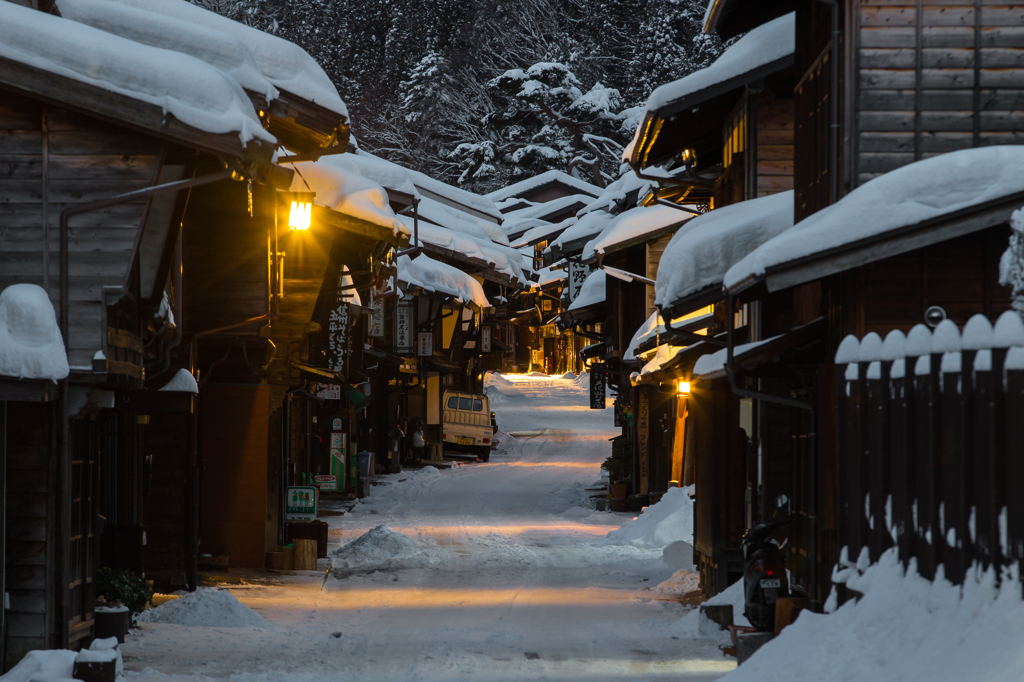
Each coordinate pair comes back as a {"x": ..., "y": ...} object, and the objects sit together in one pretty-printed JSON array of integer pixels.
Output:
[
  {"x": 464, "y": 403},
  {"x": 453, "y": 403},
  {"x": 478, "y": 405}
]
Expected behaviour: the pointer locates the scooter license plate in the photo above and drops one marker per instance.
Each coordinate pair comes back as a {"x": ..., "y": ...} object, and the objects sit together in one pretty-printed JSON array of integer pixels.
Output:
[{"x": 769, "y": 583}]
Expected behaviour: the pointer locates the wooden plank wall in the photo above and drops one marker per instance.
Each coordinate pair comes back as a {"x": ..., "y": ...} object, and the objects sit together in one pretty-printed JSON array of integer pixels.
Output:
[
  {"x": 775, "y": 158},
  {"x": 31, "y": 470},
  {"x": 935, "y": 76},
  {"x": 52, "y": 158}
]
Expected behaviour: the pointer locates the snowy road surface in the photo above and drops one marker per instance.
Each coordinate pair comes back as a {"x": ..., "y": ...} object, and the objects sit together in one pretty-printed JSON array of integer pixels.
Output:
[{"x": 510, "y": 577}]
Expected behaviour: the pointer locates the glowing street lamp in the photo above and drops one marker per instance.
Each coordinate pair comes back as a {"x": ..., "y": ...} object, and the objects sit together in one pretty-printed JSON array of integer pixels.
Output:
[
  {"x": 684, "y": 389},
  {"x": 300, "y": 215}
]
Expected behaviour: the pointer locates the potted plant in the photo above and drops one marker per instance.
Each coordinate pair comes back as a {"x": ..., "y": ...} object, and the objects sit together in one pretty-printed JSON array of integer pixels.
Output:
[
  {"x": 121, "y": 595},
  {"x": 618, "y": 467}
]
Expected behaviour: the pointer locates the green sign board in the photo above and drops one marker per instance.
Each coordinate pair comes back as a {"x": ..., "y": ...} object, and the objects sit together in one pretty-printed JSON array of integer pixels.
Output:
[{"x": 300, "y": 503}]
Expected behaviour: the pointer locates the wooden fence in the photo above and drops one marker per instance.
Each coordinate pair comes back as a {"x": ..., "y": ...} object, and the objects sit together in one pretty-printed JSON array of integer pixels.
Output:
[{"x": 931, "y": 445}]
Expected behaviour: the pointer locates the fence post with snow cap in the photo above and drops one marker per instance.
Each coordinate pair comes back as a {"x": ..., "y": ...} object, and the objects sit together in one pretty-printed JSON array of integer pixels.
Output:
[{"x": 931, "y": 445}]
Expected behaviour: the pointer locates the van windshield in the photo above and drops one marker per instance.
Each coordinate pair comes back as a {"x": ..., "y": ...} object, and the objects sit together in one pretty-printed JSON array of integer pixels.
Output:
[
  {"x": 464, "y": 403},
  {"x": 478, "y": 405}
]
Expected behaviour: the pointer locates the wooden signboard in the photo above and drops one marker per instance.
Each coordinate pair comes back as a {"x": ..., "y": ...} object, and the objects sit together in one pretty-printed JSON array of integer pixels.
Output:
[
  {"x": 403, "y": 328},
  {"x": 643, "y": 439},
  {"x": 597, "y": 386}
]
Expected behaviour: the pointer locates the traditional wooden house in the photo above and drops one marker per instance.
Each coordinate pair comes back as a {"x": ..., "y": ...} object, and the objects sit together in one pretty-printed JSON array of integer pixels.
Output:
[{"x": 99, "y": 175}]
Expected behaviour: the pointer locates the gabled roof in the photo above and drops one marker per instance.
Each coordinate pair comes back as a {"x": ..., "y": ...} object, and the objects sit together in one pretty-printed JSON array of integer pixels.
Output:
[
  {"x": 524, "y": 189},
  {"x": 690, "y": 112},
  {"x": 923, "y": 203}
]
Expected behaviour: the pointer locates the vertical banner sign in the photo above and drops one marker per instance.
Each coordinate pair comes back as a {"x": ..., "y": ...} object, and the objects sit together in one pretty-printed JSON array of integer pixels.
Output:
[
  {"x": 597, "y": 386},
  {"x": 643, "y": 438},
  {"x": 403, "y": 328},
  {"x": 376, "y": 328},
  {"x": 339, "y": 325},
  {"x": 425, "y": 344},
  {"x": 578, "y": 273},
  {"x": 485, "y": 339}
]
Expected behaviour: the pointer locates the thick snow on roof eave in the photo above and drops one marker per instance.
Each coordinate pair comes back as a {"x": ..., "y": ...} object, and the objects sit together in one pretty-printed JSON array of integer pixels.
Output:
[
  {"x": 431, "y": 275},
  {"x": 652, "y": 327},
  {"x": 915, "y": 193},
  {"x": 31, "y": 346},
  {"x": 592, "y": 292},
  {"x": 282, "y": 62},
  {"x": 196, "y": 93},
  {"x": 502, "y": 258},
  {"x": 215, "y": 47},
  {"x": 340, "y": 187},
  {"x": 517, "y": 189},
  {"x": 589, "y": 225},
  {"x": 703, "y": 250},
  {"x": 762, "y": 46}
]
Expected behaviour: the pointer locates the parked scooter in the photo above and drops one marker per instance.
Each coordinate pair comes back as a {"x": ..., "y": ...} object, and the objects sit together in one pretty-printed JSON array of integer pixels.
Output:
[{"x": 764, "y": 575}]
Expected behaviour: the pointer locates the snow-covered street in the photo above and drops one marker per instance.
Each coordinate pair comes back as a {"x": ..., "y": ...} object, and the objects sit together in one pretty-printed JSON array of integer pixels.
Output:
[{"x": 510, "y": 576}]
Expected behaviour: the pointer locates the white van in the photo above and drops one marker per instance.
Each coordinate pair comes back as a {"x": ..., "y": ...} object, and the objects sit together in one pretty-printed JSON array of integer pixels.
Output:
[{"x": 466, "y": 423}]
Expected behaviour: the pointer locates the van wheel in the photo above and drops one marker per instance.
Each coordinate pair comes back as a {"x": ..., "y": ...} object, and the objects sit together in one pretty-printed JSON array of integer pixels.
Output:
[{"x": 484, "y": 454}]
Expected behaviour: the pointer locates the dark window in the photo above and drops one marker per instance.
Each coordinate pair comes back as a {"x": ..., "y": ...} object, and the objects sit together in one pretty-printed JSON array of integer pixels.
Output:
[
  {"x": 478, "y": 405},
  {"x": 453, "y": 402},
  {"x": 465, "y": 403}
]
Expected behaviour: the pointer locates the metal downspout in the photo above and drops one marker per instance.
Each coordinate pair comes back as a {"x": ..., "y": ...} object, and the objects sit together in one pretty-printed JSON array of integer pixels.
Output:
[
  {"x": 812, "y": 442},
  {"x": 833, "y": 104}
]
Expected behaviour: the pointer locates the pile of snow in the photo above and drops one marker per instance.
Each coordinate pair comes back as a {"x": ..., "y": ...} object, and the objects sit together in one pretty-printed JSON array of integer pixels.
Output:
[
  {"x": 704, "y": 250},
  {"x": 31, "y": 346},
  {"x": 569, "y": 375},
  {"x": 915, "y": 193},
  {"x": 583, "y": 381},
  {"x": 695, "y": 624},
  {"x": 182, "y": 382},
  {"x": 683, "y": 581},
  {"x": 377, "y": 547},
  {"x": 54, "y": 664},
  {"x": 669, "y": 520},
  {"x": 195, "y": 92},
  {"x": 904, "y": 628},
  {"x": 431, "y": 275},
  {"x": 210, "y": 607}
]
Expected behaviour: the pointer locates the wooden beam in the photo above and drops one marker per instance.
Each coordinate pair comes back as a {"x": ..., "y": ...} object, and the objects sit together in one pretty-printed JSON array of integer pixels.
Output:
[{"x": 358, "y": 226}]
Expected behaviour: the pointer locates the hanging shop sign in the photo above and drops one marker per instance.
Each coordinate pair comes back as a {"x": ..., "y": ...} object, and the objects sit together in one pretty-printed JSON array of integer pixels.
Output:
[
  {"x": 597, "y": 386},
  {"x": 326, "y": 482},
  {"x": 376, "y": 325},
  {"x": 578, "y": 273},
  {"x": 339, "y": 337},
  {"x": 643, "y": 438},
  {"x": 327, "y": 391},
  {"x": 403, "y": 328},
  {"x": 485, "y": 339},
  {"x": 300, "y": 503},
  {"x": 425, "y": 344}
]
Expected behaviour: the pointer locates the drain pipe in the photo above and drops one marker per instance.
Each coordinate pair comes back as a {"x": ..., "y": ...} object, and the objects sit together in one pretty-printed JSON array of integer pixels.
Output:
[
  {"x": 833, "y": 104},
  {"x": 812, "y": 441}
]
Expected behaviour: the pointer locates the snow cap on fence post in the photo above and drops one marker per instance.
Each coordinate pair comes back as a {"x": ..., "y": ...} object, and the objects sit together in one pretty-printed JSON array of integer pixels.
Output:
[
  {"x": 848, "y": 351},
  {"x": 977, "y": 333},
  {"x": 1009, "y": 331},
  {"x": 919, "y": 341},
  {"x": 895, "y": 345},
  {"x": 946, "y": 338},
  {"x": 870, "y": 348}
]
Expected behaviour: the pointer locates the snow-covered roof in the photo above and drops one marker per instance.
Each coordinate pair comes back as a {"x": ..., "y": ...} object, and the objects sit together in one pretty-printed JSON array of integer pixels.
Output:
[
  {"x": 31, "y": 346},
  {"x": 592, "y": 291},
  {"x": 543, "y": 231},
  {"x": 283, "y": 63},
  {"x": 913, "y": 194},
  {"x": 193, "y": 91},
  {"x": 702, "y": 252},
  {"x": 516, "y": 229},
  {"x": 635, "y": 224},
  {"x": 501, "y": 258},
  {"x": 615, "y": 193},
  {"x": 712, "y": 365},
  {"x": 213, "y": 46},
  {"x": 662, "y": 355},
  {"x": 431, "y": 275},
  {"x": 340, "y": 187},
  {"x": 439, "y": 214},
  {"x": 546, "y": 276},
  {"x": 518, "y": 189},
  {"x": 587, "y": 227},
  {"x": 760, "y": 47},
  {"x": 548, "y": 208},
  {"x": 649, "y": 329}
]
